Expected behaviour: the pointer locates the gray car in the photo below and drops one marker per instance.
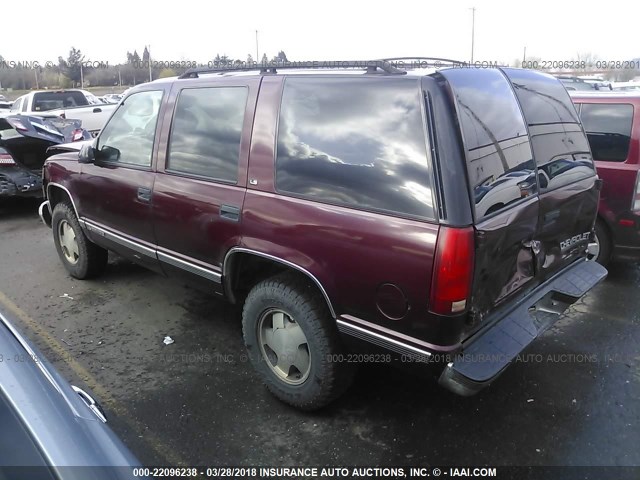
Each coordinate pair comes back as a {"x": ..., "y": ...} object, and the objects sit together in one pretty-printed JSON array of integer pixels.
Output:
[{"x": 49, "y": 428}]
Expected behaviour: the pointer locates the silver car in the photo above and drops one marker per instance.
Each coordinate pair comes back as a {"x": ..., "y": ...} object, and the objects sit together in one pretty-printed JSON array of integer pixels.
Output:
[{"x": 49, "y": 428}]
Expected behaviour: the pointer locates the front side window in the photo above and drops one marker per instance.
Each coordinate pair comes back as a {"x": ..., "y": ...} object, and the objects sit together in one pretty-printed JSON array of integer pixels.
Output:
[
  {"x": 357, "y": 142},
  {"x": 206, "y": 132},
  {"x": 129, "y": 135},
  {"x": 500, "y": 163},
  {"x": 608, "y": 128}
]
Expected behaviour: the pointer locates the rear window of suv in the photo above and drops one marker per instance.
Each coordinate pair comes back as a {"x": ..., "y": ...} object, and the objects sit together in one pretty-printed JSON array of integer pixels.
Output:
[
  {"x": 500, "y": 163},
  {"x": 608, "y": 128},
  {"x": 356, "y": 142},
  {"x": 560, "y": 147}
]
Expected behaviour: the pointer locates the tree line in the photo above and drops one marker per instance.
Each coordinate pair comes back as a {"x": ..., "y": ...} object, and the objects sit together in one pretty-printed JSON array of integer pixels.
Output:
[{"x": 75, "y": 70}]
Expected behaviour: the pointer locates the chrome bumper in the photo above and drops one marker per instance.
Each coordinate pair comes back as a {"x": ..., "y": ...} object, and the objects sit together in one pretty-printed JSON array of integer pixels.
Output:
[{"x": 45, "y": 213}]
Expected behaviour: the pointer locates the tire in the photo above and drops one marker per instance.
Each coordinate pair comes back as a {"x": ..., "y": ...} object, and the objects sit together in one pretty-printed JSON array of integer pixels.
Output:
[
  {"x": 290, "y": 302},
  {"x": 82, "y": 258},
  {"x": 600, "y": 250}
]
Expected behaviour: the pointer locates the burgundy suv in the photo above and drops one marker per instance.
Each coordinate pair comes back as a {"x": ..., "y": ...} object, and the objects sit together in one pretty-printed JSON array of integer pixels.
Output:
[
  {"x": 440, "y": 216},
  {"x": 612, "y": 124}
]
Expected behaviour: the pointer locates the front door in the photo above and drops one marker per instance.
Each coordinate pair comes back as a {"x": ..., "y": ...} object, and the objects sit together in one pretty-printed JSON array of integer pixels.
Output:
[{"x": 114, "y": 196}]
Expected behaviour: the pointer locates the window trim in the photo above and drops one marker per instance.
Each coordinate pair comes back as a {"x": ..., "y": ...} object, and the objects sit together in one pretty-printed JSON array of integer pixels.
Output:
[
  {"x": 633, "y": 113},
  {"x": 379, "y": 211},
  {"x": 178, "y": 173},
  {"x": 135, "y": 166}
]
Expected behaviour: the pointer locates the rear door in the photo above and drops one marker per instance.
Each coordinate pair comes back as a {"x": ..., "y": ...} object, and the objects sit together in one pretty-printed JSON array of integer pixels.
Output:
[
  {"x": 569, "y": 191},
  {"x": 503, "y": 187},
  {"x": 201, "y": 184}
]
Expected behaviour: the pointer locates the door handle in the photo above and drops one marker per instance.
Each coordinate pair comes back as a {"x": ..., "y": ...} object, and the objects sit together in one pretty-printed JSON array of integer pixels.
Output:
[
  {"x": 97, "y": 110},
  {"x": 230, "y": 212},
  {"x": 144, "y": 194}
]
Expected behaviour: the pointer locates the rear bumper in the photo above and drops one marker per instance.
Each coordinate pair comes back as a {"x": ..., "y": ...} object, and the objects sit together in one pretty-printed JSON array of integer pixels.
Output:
[
  {"x": 487, "y": 354},
  {"x": 18, "y": 182}
]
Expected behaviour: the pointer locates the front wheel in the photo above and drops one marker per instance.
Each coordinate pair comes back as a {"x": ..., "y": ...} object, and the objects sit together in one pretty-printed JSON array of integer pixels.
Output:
[
  {"x": 293, "y": 342},
  {"x": 81, "y": 257}
]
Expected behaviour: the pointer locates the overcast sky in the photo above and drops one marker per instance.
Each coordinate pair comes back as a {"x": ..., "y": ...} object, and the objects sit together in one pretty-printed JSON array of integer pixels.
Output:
[{"x": 322, "y": 30}]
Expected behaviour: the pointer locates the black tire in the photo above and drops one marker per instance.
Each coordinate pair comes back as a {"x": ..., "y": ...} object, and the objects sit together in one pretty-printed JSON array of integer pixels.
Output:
[
  {"x": 327, "y": 377},
  {"x": 604, "y": 239},
  {"x": 90, "y": 260}
]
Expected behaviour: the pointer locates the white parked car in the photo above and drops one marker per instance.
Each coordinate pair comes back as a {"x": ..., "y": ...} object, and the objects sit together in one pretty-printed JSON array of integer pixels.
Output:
[{"x": 77, "y": 104}]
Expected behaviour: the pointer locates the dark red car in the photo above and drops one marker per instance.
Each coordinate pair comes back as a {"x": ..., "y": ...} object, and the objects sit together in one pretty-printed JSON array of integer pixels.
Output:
[
  {"x": 440, "y": 218},
  {"x": 612, "y": 123}
]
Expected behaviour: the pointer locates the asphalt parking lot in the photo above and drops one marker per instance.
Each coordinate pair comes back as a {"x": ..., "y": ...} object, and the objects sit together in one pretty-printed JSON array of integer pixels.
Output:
[{"x": 197, "y": 401}]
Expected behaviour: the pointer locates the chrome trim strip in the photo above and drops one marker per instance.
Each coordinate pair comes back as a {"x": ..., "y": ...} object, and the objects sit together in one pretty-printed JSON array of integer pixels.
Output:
[
  {"x": 190, "y": 267},
  {"x": 280, "y": 260},
  {"x": 68, "y": 193},
  {"x": 149, "y": 252},
  {"x": 91, "y": 403},
  {"x": 401, "y": 337},
  {"x": 378, "y": 339},
  {"x": 41, "y": 212}
]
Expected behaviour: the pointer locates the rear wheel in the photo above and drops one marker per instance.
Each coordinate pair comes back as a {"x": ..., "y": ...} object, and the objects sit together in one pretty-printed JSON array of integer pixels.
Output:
[
  {"x": 293, "y": 342},
  {"x": 81, "y": 257},
  {"x": 599, "y": 249}
]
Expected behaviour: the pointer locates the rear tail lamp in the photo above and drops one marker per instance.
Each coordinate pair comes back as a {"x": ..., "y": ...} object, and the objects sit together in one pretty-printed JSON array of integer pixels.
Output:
[
  {"x": 452, "y": 271},
  {"x": 5, "y": 158},
  {"x": 77, "y": 135}
]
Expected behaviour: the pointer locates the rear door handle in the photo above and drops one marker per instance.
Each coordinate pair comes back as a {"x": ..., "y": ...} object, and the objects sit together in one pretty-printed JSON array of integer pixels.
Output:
[
  {"x": 97, "y": 110},
  {"x": 230, "y": 212},
  {"x": 144, "y": 194}
]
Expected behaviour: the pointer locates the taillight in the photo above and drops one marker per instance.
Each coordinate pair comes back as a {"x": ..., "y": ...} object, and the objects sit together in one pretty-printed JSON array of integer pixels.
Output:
[
  {"x": 452, "y": 270},
  {"x": 5, "y": 158},
  {"x": 635, "y": 204},
  {"x": 77, "y": 135}
]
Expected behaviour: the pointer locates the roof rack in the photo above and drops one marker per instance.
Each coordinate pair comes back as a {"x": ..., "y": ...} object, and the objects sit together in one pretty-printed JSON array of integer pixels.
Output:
[
  {"x": 371, "y": 66},
  {"x": 428, "y": 62}
]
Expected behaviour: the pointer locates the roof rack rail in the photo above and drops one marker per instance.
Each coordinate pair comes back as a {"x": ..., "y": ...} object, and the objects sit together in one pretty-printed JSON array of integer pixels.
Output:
[
  {"x": 427, "y": 61},
  {"x": 371, "y": 66}
]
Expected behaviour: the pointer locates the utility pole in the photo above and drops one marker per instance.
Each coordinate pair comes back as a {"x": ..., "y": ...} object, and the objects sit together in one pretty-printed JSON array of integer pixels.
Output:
[
  {"x": 257, "y": 57},
  {"x": 149, "y": 51},
  {"x": 473, "y": 29},
  {"x": 524, "y": 57},
  {"x": 81, "y": 76}
]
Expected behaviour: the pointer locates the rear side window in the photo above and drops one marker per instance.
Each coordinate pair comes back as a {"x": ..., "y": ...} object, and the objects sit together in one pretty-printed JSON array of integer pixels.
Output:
[
  {"x": 206, "y": 132},
  {"x": 608, "y": 128},
  {"x": 357, "y": 142},
  {"x": 560, "y": 148},
  {"x": 44, "y": 101},
  {"x": 499, "y": 160}
]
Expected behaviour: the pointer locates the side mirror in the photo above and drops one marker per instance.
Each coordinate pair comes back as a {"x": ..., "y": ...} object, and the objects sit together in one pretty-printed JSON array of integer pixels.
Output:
[
  {"x": 108, "y": 154},
  {"x": 87, "y": 154}
]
